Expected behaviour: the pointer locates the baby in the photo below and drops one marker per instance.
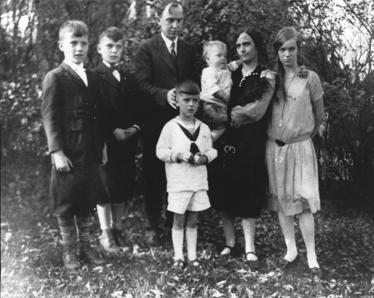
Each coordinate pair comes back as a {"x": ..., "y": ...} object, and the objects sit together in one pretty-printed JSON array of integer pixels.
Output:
[{"x": 215, "y": 87}]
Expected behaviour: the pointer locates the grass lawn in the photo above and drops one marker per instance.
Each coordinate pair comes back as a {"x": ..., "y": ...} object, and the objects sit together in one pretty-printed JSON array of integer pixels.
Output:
[{"x": 31, "y": 266}]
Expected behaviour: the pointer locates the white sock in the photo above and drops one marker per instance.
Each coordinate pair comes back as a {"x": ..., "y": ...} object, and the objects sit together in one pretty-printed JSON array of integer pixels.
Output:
[
  {"x": 191, "y": 238},
  {"x": 177, "y": 238},
  {"x": 104, "y": 214}
]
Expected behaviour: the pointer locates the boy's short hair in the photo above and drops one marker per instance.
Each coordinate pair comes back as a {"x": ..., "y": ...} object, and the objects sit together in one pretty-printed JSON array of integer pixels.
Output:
[
  {"x": 208, "y": 45},
  {"x": 187, "y": 87},
  {"x": 76, "y": 27},
  {"x": 114, "y": 33}
]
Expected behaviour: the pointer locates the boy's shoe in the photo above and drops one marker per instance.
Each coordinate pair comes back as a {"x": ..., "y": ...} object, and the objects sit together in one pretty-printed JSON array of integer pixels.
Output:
[
  {"x": 90, "y": 254},
  {"x": 69, "y": 257},
  {"x": 195, "y": 265},
  {"x": 119, "y": 238},
  {"x": 179, "y": 264},
  {"x": 108, "y": 242}
]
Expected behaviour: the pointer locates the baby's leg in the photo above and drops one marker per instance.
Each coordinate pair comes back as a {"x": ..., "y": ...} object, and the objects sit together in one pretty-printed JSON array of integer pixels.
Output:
[
  {"x": 191, "y": 234},
  {"x": 177, "y": 233}
]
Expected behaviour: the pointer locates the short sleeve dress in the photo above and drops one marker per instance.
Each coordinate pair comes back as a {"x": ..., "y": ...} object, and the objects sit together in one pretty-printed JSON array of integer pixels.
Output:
[
  {"x": 292, "y": 168},
  {"x": 241, "y": 191}
]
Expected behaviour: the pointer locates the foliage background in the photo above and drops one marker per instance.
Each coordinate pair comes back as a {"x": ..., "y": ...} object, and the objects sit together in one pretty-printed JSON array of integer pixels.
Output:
[{"x": 29, "y": 49}]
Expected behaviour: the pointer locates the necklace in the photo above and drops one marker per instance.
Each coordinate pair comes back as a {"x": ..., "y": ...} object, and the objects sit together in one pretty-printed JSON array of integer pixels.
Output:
[{"x": 285, "y": 99}]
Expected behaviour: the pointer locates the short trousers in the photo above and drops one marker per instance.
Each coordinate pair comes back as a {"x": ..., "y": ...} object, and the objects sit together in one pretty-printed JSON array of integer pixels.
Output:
[{"x": 180, "y": 202}]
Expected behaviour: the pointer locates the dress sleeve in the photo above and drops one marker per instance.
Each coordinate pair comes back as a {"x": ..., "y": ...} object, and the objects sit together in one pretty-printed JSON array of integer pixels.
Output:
[
  {"x": 315, "y": 86},
  {"x": 254, "y": 111}
]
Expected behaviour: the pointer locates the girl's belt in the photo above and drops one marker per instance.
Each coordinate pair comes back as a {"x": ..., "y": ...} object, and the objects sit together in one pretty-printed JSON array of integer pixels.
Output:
[{"x": 297, "y": 139}]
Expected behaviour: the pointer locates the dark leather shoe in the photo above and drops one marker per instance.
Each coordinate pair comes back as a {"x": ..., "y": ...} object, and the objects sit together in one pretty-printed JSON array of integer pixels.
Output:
[
  {"x": 90, "y": 254},
  {"x": 69, "y": 257},
  {"x": 119, "y": 238},
  {"x": 316, "y": 274},
  {"x": 284, "y": 264}
]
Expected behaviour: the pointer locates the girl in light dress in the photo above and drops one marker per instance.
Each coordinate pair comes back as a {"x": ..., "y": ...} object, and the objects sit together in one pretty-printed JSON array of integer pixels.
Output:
[{"x": 297, "y": 113}]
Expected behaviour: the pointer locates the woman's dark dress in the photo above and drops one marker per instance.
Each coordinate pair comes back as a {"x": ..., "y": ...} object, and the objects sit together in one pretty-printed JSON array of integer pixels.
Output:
[{"x": 238, "y": 180}]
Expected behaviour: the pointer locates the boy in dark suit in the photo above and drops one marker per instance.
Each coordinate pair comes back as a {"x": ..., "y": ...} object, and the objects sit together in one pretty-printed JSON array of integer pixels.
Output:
[
  {"x": 69, "y": 119},
  {"x": 160, "y": 62},
  {"x": 120, "y": 123}
]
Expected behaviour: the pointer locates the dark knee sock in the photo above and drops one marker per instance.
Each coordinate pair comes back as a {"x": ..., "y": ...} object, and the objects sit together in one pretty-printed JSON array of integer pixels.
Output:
[
  {"x": 67, "y": 229},
  {"x": 84, "y": 228}
]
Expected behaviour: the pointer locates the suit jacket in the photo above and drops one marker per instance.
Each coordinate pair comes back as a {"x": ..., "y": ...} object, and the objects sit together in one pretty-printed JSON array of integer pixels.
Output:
[
  {"x": 156, "y": 73},
  {"x": 69, "y": 113},
  {"x": 118, "y": 107}
]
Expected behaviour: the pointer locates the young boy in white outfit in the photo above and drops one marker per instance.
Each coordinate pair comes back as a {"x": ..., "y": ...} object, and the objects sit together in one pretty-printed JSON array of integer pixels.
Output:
[
  {"x": 185, "y": 145},
  {"x": 215, "y": 87}
]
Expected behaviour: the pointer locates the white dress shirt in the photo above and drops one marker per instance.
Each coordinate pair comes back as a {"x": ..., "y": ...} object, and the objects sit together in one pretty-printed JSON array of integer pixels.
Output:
[
  {"x": 79, "y": 70},
  {"x": 115, "y": 72},
  {"x": 168, "y": 43}
]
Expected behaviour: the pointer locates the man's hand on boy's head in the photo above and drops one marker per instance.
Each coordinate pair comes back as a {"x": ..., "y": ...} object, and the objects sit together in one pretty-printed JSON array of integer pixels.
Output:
[
  {"x": 61, "y": 161},
  {"x": 171, "y": 98}
]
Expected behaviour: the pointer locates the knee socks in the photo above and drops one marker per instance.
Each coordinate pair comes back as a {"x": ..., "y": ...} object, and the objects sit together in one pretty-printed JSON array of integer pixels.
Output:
[
  {"x": 104, "y": 214},
  {"x": 177, "y": 239},
  {"x": 191, "y": 239},
  {"x": 118, "y": 211},
  {"x": 84, "y": 229},
  {"x": 67, "y": 229}
]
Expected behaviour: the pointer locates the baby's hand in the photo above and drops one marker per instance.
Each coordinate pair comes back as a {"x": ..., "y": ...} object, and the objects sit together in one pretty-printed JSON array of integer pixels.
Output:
[
  {"x": 234, "y": 65},
  {"x": 186, "y": 157}
]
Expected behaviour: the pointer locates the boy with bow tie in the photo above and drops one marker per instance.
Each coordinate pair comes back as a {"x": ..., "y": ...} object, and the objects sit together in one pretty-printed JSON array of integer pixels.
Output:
[{"x": 121, "y": 127}]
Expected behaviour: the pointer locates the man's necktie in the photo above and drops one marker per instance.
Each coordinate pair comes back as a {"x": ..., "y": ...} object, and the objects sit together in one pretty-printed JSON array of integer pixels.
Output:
[{"x": 172, "y": 50}]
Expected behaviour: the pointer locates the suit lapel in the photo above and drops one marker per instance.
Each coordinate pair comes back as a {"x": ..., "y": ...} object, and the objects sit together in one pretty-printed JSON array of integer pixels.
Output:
[
  {"x": 107, "y": 75},
  {"x": 75, "y": 76},
  {"x": 164, "y": 53}
]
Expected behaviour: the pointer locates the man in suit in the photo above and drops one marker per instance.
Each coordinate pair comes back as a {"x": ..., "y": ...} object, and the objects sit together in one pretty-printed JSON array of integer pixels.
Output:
[{"x": 160, "y": 63}]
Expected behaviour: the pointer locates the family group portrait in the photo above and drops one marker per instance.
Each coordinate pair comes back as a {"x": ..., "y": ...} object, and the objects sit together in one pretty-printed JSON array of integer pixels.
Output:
[{"x": 165, "y": 148}]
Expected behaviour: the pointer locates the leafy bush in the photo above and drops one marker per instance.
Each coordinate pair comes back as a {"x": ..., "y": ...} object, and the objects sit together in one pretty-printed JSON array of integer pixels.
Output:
[{"x": 21, "y": 127}]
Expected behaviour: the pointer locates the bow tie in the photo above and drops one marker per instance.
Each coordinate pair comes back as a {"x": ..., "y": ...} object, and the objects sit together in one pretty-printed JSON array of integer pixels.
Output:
[{"x": 115, "y": 67}]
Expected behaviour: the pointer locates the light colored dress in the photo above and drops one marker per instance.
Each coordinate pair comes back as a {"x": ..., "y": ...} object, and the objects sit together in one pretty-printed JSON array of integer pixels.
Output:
[{"x": 292, "y": 168}]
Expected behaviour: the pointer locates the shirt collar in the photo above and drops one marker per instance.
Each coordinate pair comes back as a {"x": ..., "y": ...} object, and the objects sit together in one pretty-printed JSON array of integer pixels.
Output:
[
  {"x": 178, "y": 120},
  {"x": 108, "y": 65},
  {"x": 75, "y": 67},
  {"x": 168, "y": 42}
]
